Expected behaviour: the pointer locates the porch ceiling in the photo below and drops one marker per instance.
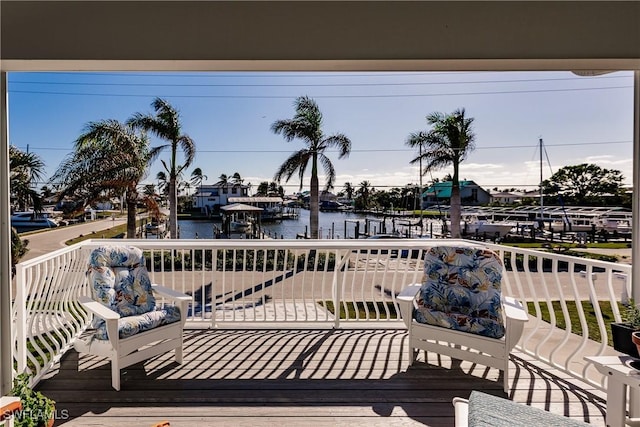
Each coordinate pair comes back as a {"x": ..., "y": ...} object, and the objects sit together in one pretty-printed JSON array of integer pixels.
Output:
[{"x": 319, "y": 35}]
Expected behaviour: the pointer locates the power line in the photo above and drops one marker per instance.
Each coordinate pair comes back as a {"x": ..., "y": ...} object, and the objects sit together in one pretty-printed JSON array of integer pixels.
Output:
[
  {"x": 371, "y": 150},
  {"x": 297, "y": 185}
]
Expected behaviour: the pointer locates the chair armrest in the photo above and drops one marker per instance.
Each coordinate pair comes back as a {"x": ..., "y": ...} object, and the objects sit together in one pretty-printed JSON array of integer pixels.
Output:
[
  {"x": 514, "y": 310},
  {"x": 461, "y": 411},
  {"x": 98, "y": 309},
  {"x": 170, "y": 293},
  {"x": 516, "y": 317},
  {"x": 110, "y": 317},
  {"x": 405, "y": 299},
  {"x": 181, "y": 300},
  {"x": 409, "y": 292}
]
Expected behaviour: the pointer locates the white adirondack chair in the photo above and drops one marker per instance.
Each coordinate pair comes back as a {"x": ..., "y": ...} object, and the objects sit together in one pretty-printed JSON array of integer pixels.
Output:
[
  {"x": 459, "y": 311},
  {"x": 128, "y": 326}
]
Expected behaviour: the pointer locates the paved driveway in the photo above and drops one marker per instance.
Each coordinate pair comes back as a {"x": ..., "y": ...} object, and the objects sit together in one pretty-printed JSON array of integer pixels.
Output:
[{"x": 43, "y": 242}]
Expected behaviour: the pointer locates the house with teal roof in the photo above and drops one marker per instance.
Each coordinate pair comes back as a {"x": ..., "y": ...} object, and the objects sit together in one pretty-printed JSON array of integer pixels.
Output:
[{"x": 471, "y": 194}]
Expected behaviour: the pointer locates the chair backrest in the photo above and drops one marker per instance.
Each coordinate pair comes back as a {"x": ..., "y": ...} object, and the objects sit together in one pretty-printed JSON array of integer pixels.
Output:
[
  {"x": 120, "y": 280},
  {"x": 461, "y": 290}
]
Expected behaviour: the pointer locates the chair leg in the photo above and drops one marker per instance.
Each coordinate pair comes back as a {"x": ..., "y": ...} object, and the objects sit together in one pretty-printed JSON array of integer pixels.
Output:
[
  {"x": 412, "y": 353},
  {"x": 115, "y": 374},
  {"x": 505, "y": 376},
  {"x": 179, "y": 354}
]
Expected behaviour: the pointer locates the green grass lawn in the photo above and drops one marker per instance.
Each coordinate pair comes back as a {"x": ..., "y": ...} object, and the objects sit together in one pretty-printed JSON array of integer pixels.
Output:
[
  {"x": 590, "y": 317},
  {"x": 576, "y": 328},
  {"x": 110, "y": 233}
]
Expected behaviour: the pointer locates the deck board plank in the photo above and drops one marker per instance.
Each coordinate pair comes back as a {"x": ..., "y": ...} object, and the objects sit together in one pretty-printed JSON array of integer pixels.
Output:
[{"x": 299, "y": 377}]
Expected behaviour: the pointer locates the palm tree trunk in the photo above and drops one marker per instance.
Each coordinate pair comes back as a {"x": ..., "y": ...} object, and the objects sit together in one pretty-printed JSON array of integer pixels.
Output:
[
  {"x": 313, "y": 203},
  {"x": 173, "y": 209},
  {"x": 131, "y": 198},
  {"x": 454, "y": 211}
]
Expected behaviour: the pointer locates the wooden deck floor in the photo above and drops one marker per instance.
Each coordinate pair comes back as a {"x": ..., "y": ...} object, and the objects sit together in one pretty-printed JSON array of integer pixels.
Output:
[{"x": 298, "y": 378}]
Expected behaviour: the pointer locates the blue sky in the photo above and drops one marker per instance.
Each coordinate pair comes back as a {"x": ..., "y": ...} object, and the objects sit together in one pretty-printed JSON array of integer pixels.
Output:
[{"x": 580, "y": 119}]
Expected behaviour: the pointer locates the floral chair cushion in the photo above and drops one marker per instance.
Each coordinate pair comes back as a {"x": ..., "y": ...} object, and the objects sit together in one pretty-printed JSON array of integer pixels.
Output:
[
  {"x": 461, "y": 290},
  {"x": 131, "y": 325},
  {"x": 120, "y": 281}
]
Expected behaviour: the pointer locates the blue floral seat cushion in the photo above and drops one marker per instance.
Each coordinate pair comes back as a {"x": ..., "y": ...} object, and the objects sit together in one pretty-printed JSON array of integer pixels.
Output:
[
  {"x": 121, "y": 282},
  {"x": 461, "y": 290},
  {"x": 131, "y": 325}
]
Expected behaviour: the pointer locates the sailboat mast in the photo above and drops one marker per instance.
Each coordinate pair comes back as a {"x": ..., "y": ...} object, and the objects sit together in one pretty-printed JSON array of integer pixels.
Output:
[
  {"x": 420, "y": 178},
  {"x": 541, "y": 194}
]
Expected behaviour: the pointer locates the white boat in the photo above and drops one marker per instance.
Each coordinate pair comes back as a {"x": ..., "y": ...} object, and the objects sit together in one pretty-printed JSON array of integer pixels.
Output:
[
  {"x": 29, "y": 220},
  {"x": 240, "y": 226},
  {"x": 481, "y": 224},
  {"x": 572, "y": 224},
  {"x": 619, "y": 222},
  {"x": 155, "y": 227}
]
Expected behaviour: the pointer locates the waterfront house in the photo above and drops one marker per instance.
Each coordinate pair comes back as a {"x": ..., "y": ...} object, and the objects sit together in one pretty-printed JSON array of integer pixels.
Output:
[
  {"x": 210, "y": 197},
  {"x": 471, "y": 194},
  {"x": 506, "y": 198}
]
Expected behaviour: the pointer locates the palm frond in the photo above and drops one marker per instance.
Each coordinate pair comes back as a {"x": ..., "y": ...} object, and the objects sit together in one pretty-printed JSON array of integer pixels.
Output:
[
  {"x": 296, "y": 162},
  {"x": 341, "y": 142},
  {"x": 329, "y": 170},
  {"x": 188, "y": 147}
]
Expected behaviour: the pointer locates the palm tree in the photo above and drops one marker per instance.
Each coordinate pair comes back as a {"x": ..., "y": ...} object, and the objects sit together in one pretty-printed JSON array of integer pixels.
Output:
[
  {"x": 364, "y": 193},
  {"x": 348, "y": 190},
  {"x": 24, "y": 170},
  {"x": 448, "y": 142},
  {"x": 109, "y": 158},
  {"x": 263, "y": 189},
  {"x": 166, "y": 125},
  {"x": 163, "y": 183},
  {"x": 275, "y": 189},
  {"x": 196, "y": 179},
  {"x": 307, "y": 126},
  {"x": 237, "y": 179}
]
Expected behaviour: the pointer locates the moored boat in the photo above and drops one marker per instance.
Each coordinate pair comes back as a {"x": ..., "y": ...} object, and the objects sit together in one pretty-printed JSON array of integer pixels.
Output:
[
  {"x": 30, "y": 220},
  {"x": 481, "y": 224}
]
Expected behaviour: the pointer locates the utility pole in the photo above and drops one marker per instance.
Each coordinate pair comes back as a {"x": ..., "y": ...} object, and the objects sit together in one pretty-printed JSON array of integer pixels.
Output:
[{"x": 541, "y": 193}]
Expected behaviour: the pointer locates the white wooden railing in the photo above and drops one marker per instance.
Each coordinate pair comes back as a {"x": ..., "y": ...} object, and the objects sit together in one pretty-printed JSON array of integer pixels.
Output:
[{"x": 281, "y": 283}]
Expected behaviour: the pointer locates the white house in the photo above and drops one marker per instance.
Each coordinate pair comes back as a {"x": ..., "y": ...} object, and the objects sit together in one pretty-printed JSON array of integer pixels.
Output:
[
  {"x": 210, "y": 197},
  {"x": 506, "y": 198}
]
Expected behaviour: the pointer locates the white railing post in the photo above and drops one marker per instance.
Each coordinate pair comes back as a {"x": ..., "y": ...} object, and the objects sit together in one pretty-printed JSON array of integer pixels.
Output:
[
  {"x": 338, "y": 283},
  {"x": 20, "y": 323},
  {"x": 624, "y": 294},
  {"x": 6, "y": 343}
]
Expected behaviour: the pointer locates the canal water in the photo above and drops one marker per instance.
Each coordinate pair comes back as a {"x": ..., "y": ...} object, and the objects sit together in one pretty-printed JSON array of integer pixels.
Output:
[{"x": 332, "y": 225}]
